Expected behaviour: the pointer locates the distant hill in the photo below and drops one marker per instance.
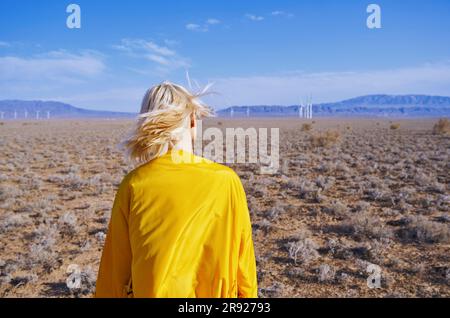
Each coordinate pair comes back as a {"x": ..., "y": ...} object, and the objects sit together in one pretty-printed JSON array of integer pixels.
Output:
[
  {"x": 371, "y": 105},
  {"x": 364, "y": 106},
  {"x": 55, "y": 109}
]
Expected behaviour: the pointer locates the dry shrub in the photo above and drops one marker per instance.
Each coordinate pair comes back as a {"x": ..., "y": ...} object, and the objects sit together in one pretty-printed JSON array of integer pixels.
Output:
[
  {"x": 265, "y": 225},
  {"x": 87, "y": 278},
  {"x": 361, "y": 206},
  {"x": 442, "y": 127},
  {"x": 302, "y": 233},
  {"x": 303, "y": 249},
  {"x": 306, "y": 127},
  {"x": 274, "y": 212},
  {"x": 7, "y": 192},
  {"x": 30, "y": 183},
  {"x": 273, "y": 291},
  {"x": 336, "y": 208},
  {"x": 3, "y": 177},
  {"x": 364, "y": 225},
  {"x": 23, "y": 280},
  {"x": 326, "y": 273},
  {"x": 70, "y": 181},
  {"x": 100, "y": 236},
  {"x": 395, "y": 126},
  {"x": 285, "y": 166},
  {"x": 42, "y": 256},
  {"x": 419, "y": 228},
  {"x": 68, "y": 224},
  {"x": 307, "y": 190},
  {"x": 325, "y": 140},
  {"x": 325, "y": 183},
  {"x": 11, "y": 221}
]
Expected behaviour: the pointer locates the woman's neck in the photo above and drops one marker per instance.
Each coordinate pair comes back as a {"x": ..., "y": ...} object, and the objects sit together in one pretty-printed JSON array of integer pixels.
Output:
[{"x": 184, "y": 144}]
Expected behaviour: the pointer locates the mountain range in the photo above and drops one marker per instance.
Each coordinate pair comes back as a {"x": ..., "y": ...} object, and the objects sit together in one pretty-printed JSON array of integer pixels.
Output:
[
  {"x": 364, "y": 106},
  {"x": 42, "y": 109},
  {"x": 370, "y": 105}
]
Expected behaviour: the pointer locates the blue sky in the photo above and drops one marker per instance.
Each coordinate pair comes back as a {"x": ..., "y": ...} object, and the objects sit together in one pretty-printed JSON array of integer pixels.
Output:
[{"x": 256, "y": 52}]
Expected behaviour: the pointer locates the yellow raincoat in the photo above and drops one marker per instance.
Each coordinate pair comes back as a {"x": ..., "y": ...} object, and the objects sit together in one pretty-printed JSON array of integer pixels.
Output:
[{"x": 179, "y": 230}]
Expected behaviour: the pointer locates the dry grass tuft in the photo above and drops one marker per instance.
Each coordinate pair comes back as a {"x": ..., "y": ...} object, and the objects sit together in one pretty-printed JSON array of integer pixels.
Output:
[
  {"x": 442, "y": 127},
  {"x": 327, "y": 139},
  {"x": 306, "y": 127}
]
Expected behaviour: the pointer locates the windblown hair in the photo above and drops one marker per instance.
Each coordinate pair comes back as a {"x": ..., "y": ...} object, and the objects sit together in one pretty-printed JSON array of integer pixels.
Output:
[{"x": 165, "y": 113}]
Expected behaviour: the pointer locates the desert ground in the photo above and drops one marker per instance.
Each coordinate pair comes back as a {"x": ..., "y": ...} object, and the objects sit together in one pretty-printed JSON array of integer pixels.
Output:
[{"x": 350, "y": 194}]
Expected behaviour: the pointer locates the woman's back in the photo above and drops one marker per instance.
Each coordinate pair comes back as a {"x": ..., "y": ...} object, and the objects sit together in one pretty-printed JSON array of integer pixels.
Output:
[{"x": 179, "y": 229}]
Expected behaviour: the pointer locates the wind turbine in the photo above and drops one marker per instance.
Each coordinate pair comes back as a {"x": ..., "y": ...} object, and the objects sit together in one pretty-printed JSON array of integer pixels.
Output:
[
  {"x": 300, "y": 111},
  {"x": 306, "y": 109},
  {"x": 310, "y": 104}
]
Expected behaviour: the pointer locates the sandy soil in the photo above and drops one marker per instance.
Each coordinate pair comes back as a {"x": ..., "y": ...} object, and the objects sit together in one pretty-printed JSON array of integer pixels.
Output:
[{"x": 350, "y": 193}]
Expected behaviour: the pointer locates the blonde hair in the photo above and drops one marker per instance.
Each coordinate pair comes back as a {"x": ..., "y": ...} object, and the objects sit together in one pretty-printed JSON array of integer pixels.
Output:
[{"x": 165, "y": 111}]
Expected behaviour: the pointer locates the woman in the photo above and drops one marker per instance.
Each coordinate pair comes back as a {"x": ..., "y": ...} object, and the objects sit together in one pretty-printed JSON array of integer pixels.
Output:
[{"x": 180, "y": 225}]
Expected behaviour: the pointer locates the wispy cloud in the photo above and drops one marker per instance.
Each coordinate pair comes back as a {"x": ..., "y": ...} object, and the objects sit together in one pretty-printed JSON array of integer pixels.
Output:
[
  {"x": 158, "y": 59},
  {"x": 204, "y": 27},
  {"x": 4, "y": 44},
  {"x": 34, "y": 76},
  {"x": 165, "y": 58},
  {"x": 196, "y": 27},
  {"x": 287, "y": 89},
  {"x": 213, "y": 21},
  {"x": 118, "y": 98},
  {"x": 279, "y": 13},
  {"x": 169, "y": 42},
  {"x": 56, "y": 66},
  {"x": 136, "y": 46},
  {"x": 254, "y": 17}
]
